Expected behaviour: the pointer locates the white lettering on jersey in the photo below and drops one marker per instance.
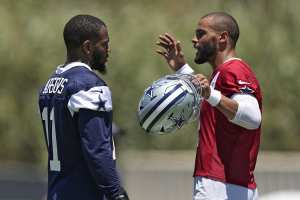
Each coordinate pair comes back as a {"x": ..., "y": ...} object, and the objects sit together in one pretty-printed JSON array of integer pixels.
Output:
[
  {"x": 55, "y": 85},
  {"x": 214, "y": 80},
  {"x": 97, "y": 98}
]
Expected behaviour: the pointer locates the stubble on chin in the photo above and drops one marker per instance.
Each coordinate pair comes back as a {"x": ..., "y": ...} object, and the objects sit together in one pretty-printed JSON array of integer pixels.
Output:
[
  {"x": 101, "y": 69},
  {"x": 199, "y": 60}
]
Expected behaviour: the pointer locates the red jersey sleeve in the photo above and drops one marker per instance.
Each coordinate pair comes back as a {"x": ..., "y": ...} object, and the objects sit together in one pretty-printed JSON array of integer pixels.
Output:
[{"x": 236, "y": 77}]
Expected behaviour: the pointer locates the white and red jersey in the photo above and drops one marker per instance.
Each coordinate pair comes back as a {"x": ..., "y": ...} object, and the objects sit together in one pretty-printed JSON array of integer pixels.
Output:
[{"x": 227, "y": 152}]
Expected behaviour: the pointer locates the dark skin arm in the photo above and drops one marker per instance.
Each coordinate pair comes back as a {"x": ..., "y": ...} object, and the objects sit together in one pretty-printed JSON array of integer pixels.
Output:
[{"x": 171, "y": 51}]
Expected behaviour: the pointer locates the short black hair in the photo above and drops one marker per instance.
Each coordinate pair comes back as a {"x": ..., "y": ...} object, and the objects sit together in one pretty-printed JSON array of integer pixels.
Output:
[
  {"x": 81, "y": 28},
  {"x": 225, "y": 22}
]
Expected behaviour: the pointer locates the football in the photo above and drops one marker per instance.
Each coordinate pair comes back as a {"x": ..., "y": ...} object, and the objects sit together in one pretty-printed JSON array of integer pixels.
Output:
[{"x": 169, "y": 103}]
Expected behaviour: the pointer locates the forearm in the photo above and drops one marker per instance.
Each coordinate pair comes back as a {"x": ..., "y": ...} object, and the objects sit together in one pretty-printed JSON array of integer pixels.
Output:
[
  {"x": 224, "y": 104},
  {"x": 98, "y": 150},
  {"x": 228, "y": 107},
  {"x": 240, "y": 109}
]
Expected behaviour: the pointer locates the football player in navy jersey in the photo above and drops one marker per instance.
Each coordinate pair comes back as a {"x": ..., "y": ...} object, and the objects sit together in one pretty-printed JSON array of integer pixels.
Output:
[{"x": 76, "y": 111}]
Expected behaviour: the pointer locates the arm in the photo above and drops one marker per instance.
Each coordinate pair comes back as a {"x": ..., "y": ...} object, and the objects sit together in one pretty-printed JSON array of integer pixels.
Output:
[
  {"x": 248, "y": 114},
  {"x": 240, "y": 109},
  {"x": 228, "y": 107},
  {"x": 97, "y": 150},
  {"x": 93, "y": 108}
]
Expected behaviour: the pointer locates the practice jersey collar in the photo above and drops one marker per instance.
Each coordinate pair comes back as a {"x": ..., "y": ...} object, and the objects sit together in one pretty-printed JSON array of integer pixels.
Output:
[
  {"x": 227, "y": 60},
  {"x": 62, "y": 68},
  {"x": 230, "y": 59}
]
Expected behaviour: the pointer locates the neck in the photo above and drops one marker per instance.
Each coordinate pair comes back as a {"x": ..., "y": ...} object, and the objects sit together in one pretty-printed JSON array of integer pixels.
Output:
[
  {"x": 76, "y": 56},
  {"x": 221, "y": 57}
]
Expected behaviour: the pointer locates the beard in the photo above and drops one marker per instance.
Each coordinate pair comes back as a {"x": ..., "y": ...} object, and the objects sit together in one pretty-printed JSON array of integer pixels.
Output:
[
  {"x": 205, "y": 52},
  {"x": 98, "y": 62}
]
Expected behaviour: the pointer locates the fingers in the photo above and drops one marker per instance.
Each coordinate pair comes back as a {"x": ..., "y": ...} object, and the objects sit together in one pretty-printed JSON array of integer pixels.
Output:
[
  {"x": 200, "y": 76},
  {"x": 163, "y": 53},
  {"x": 171, "y": 38},
  {"x": 171, "y": 51},
  {"x": 166, "y": 40},
  {"x": 163, "y": 44},
  {"x": 169, "y": 43},
  {"x": 178, "y": 47},
  {"x": 202, "y": 82}
]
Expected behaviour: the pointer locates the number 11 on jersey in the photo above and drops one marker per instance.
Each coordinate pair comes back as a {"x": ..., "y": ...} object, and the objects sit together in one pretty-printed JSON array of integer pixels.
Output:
[{"x": 54, "y": 163}]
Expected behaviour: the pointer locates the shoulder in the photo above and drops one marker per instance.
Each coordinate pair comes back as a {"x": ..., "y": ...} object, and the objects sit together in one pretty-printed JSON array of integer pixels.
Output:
[
  {"x": 85, "y": 78},
  {"x": 89, "y": 91},
  {"x": 81, "y": 79},
  {"x": 236, "y": 67},
  {"x": 235, "y": 71},
  {"x": 236, "y": 76}
]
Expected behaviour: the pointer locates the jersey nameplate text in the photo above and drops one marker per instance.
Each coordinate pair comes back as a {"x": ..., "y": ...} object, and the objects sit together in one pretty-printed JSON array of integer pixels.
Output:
[{"x": 55, "y": 85}]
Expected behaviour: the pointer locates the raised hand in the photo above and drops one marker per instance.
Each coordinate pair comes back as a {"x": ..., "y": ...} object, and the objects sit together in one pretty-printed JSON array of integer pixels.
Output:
[{"x": 171, "y": 51}]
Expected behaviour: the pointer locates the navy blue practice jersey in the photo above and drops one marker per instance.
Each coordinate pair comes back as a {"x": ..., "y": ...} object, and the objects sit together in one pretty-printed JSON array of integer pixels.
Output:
[{"x": 76, "y": 111}]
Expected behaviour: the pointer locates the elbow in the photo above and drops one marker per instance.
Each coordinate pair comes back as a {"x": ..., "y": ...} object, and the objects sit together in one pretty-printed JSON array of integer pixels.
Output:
[
  {"x": 254, "y": 122},
  {"x": 257, "y": 121},
  {"x": 248, "y": 116}
]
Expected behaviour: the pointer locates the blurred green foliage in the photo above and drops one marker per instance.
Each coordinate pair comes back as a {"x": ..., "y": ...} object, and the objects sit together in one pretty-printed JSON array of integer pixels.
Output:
[{"x": 31, "y": 46}]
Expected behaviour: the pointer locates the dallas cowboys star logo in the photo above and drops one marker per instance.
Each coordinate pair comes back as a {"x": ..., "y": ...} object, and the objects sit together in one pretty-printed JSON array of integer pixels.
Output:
[
  {"x": 149, "y": 92},
  {"x": 246, "y": 90},
  {"x": 179, "y": 121},
  {"x": 101, "y": 103}
]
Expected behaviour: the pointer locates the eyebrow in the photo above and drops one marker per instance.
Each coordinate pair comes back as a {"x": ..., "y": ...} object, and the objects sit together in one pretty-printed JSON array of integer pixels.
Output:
[{"x": 200, "y": 32}]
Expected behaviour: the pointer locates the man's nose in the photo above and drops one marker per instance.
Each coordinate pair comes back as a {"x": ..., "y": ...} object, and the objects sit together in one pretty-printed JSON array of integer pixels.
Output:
[{"x": 195, "y": 41}]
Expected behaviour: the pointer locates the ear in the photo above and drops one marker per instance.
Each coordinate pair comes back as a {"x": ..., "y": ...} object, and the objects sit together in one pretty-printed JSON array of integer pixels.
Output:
[
  {"x": 223, "y": 37},
  {"x": 86, "y": 47}
]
